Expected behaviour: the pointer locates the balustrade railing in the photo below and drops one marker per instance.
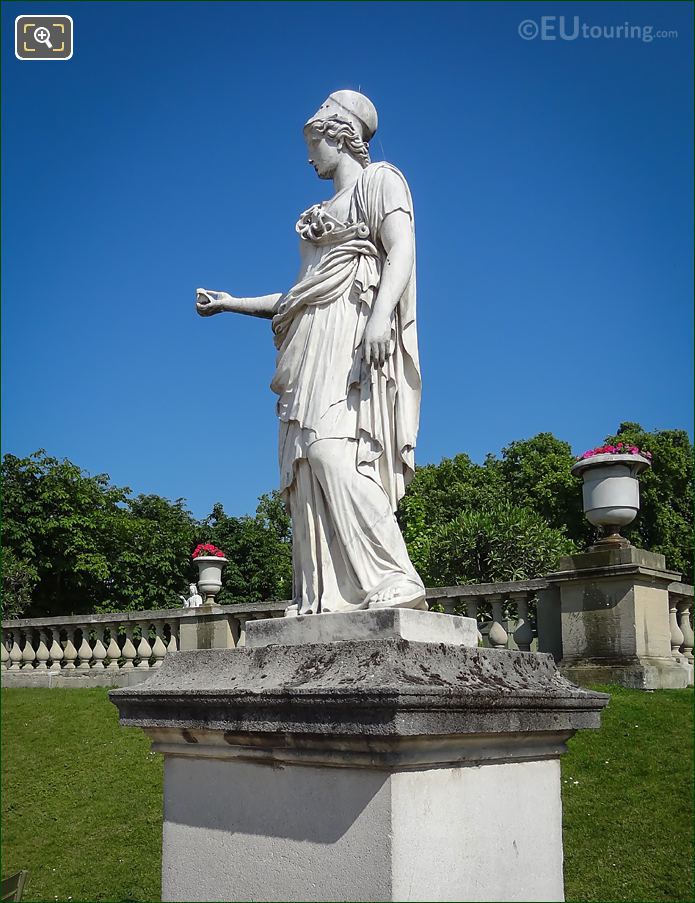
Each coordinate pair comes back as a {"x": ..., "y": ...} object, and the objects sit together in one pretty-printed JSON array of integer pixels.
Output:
[
  {"x": 680, "y": 602},
  {"x": 139, "y": 641},
  {"x": 508, "y": 616},
  {"x": 506, "y": 612}
]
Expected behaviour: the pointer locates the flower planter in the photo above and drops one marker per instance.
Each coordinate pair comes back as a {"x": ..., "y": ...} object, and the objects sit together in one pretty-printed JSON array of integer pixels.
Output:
[
  {"x": 611, "y": 492},
  {"x": 209, "y": 576}
]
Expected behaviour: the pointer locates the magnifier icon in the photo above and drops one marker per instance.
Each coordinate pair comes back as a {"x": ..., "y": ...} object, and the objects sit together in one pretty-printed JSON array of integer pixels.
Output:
[{"x": 43, "y": 36}]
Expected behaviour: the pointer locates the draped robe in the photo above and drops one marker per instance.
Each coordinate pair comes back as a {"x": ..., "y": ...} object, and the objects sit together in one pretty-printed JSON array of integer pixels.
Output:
[{"x": 342, "y": 494}]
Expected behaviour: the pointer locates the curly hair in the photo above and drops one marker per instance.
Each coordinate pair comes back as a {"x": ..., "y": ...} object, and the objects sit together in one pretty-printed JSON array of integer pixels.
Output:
[{"x": 339, "y": 130}]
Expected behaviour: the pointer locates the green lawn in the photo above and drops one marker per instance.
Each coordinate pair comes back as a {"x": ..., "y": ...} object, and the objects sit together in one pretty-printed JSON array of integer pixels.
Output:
[{"x": 82, "y": 800}]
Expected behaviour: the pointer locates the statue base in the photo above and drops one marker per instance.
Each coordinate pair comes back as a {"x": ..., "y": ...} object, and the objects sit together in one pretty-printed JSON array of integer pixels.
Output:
[{"x": 375, "y": 769}]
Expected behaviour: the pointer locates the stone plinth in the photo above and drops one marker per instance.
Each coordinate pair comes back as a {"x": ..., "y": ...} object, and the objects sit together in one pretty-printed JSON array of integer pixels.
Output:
[
  {"x": 399, "y": 623},
  {"x": 615, "y": 619},
  {"x": 208, "y": 628},
  {"x": 378, "y": 769}
]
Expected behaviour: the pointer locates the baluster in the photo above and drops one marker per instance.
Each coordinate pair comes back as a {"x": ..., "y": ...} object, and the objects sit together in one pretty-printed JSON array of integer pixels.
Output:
[
  {"x": 70, "y": 651},
  {"x": 472, "y": 604},
  {"x": 159, "y": 650},
  {"x": 684, "y": 608},
  {"x": 498, "y": 635},
  {"x": 113, "y": 650},
  {"x": 676, "y": 633},
  {"x": 242, "y": 629},
  {"x": 128, "y": 651},
  {"x": 4, "y": 654},
  {"x": 15, "y": 652},
  {"x": 523, "y": 635},
  {"x": 144, "y": 649},
  {"x": 173, "y": 644},
  {"x": 28, "y": 654},
  {"x": 85, "y": 650},
  {"x": 42, "y": 653},
  {"x": 56, "y": 650},
  {"x": 99, "y": 652}
]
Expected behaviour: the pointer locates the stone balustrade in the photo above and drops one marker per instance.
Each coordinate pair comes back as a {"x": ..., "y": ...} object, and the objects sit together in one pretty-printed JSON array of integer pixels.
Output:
[
  {"x": 123, "y": 648},
  {"x": 680, "y": 603},
  {"x": 119, "y": 647},
  {"x": 506, "y": 612}
]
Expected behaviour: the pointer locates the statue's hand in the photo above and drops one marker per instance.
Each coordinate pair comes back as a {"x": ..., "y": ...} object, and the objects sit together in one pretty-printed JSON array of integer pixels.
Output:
[
  {"x": 208, "y": 302},
  {"x": 377, "y": 341}
]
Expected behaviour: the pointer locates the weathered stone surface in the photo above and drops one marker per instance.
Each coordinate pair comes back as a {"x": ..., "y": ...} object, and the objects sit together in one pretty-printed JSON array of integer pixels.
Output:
[
  {"x": 389, "y": 688},
  {"x": 308, "y": 772},
  {"x": 616, "y": 561},
  {"x": 73, "y": 679},
  {"x": 399, "y": 623},
  {"x": 614, "y": 609}
]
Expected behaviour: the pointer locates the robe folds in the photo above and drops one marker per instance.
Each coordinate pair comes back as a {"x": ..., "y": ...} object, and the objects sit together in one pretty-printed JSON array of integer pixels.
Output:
[{"x": 347, "y": 430}]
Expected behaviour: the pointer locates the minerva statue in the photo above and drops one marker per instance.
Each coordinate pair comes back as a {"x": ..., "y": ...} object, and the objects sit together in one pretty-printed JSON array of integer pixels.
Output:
[{"x": 347, "y": 375}]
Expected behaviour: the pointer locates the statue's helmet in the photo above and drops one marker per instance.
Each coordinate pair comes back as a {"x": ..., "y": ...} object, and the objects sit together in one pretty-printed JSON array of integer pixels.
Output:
[{"x": 352, "y": 107}]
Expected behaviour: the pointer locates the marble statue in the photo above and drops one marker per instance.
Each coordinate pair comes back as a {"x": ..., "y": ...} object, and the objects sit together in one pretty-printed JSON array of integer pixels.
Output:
[
  {"x": 194, "y": 600},
  {"x": 347, "y": 375}
]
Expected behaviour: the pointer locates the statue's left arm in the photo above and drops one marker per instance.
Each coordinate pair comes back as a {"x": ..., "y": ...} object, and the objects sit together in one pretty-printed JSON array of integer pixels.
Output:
[{"x": 396, "y": 236}]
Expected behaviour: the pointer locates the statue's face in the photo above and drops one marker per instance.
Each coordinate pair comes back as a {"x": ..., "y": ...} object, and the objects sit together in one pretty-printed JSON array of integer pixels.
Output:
[{"x": 324, "y": 155}]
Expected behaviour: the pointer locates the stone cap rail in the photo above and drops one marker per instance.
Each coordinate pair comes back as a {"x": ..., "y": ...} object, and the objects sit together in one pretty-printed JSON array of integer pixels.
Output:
[
  {"x": 488, "y": 589},
  {"x": 681, "y": 589},
  {"x": 161, "y": 614}
]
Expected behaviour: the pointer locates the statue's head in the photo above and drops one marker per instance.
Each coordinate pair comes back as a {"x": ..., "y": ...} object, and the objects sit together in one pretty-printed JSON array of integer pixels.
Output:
[
  {"x": 192, "y": 589},
  {"x": 344, "y": 124}
]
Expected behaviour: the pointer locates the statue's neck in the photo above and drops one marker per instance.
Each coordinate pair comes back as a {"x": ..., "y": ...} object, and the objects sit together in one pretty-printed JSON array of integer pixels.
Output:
[{"x": 347, "y": 173}]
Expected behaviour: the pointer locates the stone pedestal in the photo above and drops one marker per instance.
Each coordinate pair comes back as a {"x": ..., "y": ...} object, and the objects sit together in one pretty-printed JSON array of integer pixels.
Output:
[
  {"x": 208, "y": 628},
  {"x": 614, "y": 608},
  {"x": 361, "y": 767}
]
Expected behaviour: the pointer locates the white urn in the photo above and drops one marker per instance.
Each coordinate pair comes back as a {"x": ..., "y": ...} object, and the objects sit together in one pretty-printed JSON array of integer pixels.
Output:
[
  {"x": 209, "y": 576},
  {"x": 611, "y": 492}
]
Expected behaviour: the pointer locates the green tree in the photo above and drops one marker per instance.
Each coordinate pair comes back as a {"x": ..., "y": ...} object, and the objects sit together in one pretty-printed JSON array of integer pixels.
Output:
[
  {"x": 537, "y": 475},
  {"x": 151, "y": 567},
  {"x": 19, "y": 578},
  {"x": 258, "y": 549},
  {"x": 91, "y": 546},
  {"x": 64, "y": 523},
  {"x": 494, "y": 545}
]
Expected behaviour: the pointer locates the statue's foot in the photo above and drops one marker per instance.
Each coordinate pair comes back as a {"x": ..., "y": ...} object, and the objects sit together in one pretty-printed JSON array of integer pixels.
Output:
[
  {"x": 399, "y": 594},
  {"x": 297, "y": 609}
]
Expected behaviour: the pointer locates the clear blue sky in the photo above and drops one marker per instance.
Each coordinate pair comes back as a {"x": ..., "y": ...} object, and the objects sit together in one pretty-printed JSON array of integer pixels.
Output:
[{"x": 553, "y": 196}]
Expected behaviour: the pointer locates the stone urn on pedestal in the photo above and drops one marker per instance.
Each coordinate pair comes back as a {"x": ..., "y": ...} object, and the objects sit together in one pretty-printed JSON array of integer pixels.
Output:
[
  {"x": 611, "y": 490},
  {"x": 613, "y": 599},
  {"x": 210, "y": 561}
]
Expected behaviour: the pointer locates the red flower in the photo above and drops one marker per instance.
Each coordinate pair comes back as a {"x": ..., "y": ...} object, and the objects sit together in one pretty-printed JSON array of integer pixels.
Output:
[{"x": 203, "y": 550}]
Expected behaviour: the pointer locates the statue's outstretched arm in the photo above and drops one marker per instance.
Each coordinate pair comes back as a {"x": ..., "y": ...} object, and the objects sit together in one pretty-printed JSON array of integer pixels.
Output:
[{"x": 208, "y": 303}]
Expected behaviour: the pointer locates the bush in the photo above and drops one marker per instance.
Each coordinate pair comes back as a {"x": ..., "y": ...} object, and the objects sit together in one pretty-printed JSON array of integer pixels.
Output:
[{"x": 499, "y": 544}]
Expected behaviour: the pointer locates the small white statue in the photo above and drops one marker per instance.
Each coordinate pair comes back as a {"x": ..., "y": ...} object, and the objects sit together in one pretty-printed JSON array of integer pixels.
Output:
[{"x": 195, "y": 600}]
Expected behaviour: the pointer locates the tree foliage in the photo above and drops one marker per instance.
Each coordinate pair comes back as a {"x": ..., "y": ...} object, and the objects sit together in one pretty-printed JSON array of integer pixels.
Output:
[
  {"x": 75, "y": 543},
  {"x": 454, "y": 511},
  {"x": 497, "y": 544},
  {"x": 19, "y": 579}
]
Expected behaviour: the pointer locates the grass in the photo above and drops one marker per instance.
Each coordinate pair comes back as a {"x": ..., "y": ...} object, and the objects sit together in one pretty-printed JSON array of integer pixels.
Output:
[
  {"x": 81, "y": 796},
  {"x": 82, "y": 800},
  {"x": 627, "y": 797}
]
